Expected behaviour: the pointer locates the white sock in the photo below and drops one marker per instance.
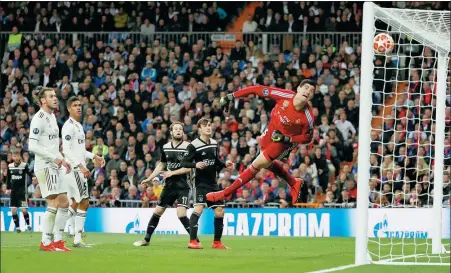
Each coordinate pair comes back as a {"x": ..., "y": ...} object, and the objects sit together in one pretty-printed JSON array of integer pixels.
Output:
[
  {"x": 47, "y": 225},
  {"x": 80, "y": 219},
  {"x": 71, "y": 221},
  {"x": 60, "y": 223}
]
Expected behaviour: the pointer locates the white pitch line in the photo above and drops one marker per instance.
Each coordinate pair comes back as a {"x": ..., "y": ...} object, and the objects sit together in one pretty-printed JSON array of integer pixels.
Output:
[
  {"x": 333, "y": 269},
  {"x": 18, "y": 246}
]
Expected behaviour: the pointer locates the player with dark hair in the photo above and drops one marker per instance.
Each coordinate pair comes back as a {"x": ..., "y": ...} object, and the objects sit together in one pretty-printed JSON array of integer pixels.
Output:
[
  {"x": 291, "y": 124},
  {"x": 44, "y": 143},
  {"x": 17, "y": 176},
  {"x": 203, "y": 156},
  {"x": 176, "y": 182},
  {"x": 74, "y": 150}
]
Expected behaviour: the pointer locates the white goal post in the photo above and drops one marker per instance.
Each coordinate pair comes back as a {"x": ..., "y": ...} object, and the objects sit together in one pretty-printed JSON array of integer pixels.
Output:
[{"x": 409, "y": 28}]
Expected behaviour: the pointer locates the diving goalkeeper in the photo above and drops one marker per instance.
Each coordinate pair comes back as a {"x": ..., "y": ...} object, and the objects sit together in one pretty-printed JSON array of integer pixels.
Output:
[{"x": 291, "y": 124}]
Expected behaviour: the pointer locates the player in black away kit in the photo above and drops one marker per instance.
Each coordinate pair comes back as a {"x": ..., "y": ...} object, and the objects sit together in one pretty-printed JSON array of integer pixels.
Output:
[
  {"x": 17, "y": 183},
  {"x": 176, "y": 183},
  {"x": 203, "y": 155}
]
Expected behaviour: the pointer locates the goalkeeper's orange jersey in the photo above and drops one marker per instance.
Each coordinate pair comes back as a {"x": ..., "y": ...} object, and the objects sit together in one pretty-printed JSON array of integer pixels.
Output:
[{"x": 284, "y": 117}]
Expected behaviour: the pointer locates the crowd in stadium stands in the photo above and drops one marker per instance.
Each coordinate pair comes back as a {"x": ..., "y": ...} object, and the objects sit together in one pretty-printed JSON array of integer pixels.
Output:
[{"x": 132, "y": 90}]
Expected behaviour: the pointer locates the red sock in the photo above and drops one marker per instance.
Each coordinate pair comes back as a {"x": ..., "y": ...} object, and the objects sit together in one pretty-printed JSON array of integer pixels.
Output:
[
  {"x": 278, "y": 170},
  {"x": 244, "y": 177}
]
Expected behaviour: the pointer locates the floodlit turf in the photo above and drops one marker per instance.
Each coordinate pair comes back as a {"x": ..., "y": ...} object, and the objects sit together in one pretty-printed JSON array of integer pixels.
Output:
[{"x": 169, "y": 254}]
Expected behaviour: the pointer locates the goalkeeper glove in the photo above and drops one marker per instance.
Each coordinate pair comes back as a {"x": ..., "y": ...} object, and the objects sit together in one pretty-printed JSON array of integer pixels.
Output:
[
  {"x": 224, "y": 102},
  {"x": 279, "y": 137}
]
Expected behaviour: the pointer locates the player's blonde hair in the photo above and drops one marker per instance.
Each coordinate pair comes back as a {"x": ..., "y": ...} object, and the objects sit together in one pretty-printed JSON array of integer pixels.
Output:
[{"x": 40, "y": 94}]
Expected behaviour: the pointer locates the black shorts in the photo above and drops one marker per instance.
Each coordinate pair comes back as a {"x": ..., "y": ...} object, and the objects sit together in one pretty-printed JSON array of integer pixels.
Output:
[
  {"x": 200, "y": 198},
  {"x": 168, "y": 197},
  {"x": 18, "y": 201}
]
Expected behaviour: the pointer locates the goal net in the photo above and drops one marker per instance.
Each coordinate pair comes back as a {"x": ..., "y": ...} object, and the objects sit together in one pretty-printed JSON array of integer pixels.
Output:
[{"x": 403, "y": 201}]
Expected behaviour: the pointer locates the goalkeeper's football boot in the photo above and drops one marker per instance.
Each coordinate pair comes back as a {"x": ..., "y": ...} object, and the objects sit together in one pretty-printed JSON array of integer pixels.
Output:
[
  {"x": 219, "y": 245},
  {"x": 18, "y": 230},
  {"x": 59, "y": 246},
  {"x": 50, "y": 247},
  {"x": 296, "y": 191},
  {"x": 215, "y": 196},
  {"x": 193, "y": 244},
  {"x": 81, "y": 244},
  {"x": 141, "y": 243}
]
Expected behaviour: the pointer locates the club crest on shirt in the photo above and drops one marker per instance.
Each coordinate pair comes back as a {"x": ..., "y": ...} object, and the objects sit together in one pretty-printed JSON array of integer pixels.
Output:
[
  {"x": 180, "y": 156},
  {"x": 285, "y": 105},
  {"x": 68, "y": 137},
  {"x": 265, "y": 92},
  {"x": 35, "y": 131},
  {"x": 20, "y": 172},
  {"x": 298, "y": 121}
]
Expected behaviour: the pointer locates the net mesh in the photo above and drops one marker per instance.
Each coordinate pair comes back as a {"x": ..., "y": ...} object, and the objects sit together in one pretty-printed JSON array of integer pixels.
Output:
[
  {"x": 431, "y": 28},
  {"x": 403, "y": 131}
]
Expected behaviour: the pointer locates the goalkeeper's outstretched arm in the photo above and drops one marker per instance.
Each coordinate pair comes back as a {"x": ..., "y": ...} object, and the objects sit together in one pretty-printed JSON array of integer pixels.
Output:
[{"x": 264, "y": 92}]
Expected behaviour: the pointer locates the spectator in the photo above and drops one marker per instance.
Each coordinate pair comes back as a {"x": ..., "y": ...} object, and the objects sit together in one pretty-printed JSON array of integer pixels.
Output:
[
  {"x": 345, "y": 199},
  {"x": 149, "y": 72},
  {"x": 238, "y": 53},
  {"x": 283, "y": 199},
  {"x": 120, "y": 19},
  {"x": 245, "y": 198},
  {"x": 156, "y": 186},
  {"x": 15, "y": 39},
  {"x": 330, "y": 199},
  {"x": 149, "y": 195},
  {"x": 323, "y": 170},
  {"x": 249, "y": 26},
  {"x": 32, "y": 187},
  {"x": 147, "y": 30},
  {"x": 265, "y": 195}
]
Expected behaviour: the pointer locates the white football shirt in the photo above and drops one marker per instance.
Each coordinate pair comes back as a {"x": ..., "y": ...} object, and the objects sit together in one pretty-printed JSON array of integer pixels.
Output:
[
  {"x": 45, "y": 132},
  {"x": 74, "y": 148}
]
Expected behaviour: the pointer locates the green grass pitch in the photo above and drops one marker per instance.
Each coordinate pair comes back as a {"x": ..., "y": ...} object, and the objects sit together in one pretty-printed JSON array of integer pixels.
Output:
[{"x": 169, "y": 254}]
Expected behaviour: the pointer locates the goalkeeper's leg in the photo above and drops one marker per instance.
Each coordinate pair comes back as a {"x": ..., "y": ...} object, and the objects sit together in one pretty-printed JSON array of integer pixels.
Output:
[
  {"x": 278, "y": 169},
  {"x": 265, "y": 160},
  {"x": 259, "y": 163}
]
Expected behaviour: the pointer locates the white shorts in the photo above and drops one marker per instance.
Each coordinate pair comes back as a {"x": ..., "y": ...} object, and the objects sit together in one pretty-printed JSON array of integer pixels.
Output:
[
  {"x": 51, "y": 182},
  {"x": 77, "y": 185}
]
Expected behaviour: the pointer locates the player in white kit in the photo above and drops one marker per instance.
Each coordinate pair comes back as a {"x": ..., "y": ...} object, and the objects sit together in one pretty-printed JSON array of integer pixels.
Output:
[
  {"x": 44, "y": 143},
  {"x": 74, "y": 151}
]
